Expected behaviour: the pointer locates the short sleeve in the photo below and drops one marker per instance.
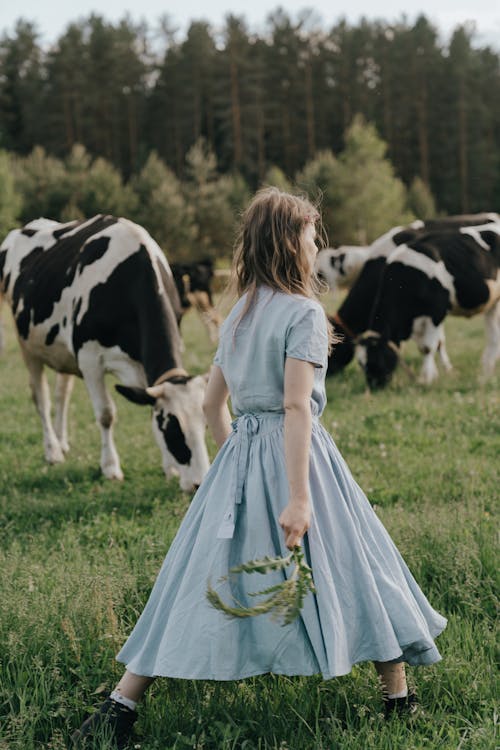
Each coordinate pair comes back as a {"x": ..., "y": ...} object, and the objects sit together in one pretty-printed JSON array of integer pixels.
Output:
[
  {"x": 219, "y": 354},
  {"x": 307, "y": 337}
]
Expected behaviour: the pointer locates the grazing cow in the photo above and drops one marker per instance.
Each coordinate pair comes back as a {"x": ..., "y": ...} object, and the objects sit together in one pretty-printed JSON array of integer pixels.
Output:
[
  {"x": 340, "y": 267},
  {"x": 354, "y": 315},
  {"x": 94, "y": 297},
  {"x": 193, "y": 281},
  {"x": 456, "y": 272}
]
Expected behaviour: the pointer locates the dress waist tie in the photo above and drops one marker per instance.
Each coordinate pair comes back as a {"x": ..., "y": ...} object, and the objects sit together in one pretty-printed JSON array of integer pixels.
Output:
[{"x": 245, "y": 428}]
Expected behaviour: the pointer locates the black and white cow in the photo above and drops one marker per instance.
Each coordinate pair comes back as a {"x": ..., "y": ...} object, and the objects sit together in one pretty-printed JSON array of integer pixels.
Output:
[
  {"x": 94, "y": 297},
  {"x": 354, "y": 316},
  {"x": 423, "y": 280},
  {"x": 193, "y": 281},
  {"x": 340, "y": 267}
]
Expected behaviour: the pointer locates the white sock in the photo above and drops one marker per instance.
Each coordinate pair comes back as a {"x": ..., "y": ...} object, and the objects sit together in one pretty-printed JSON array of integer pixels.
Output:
[
  {"x": 401, "y": 694},
  {"x": 119, "y": 698}
]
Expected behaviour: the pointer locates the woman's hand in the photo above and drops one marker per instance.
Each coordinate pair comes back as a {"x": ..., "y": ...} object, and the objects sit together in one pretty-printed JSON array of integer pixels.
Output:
[{"x": 295, "y": 520}]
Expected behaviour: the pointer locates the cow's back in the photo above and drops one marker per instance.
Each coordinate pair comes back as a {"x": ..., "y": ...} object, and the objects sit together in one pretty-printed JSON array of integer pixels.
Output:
[{"x": 71, "y": 283}]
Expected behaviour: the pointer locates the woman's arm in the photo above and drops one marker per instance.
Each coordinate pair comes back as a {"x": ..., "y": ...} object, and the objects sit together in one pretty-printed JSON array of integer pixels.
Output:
[
  {"x": 299, "y": 381},
  {"x": 215, "y": 406}
]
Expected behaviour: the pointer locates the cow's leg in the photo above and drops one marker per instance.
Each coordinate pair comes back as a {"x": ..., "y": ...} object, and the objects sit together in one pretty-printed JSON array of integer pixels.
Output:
[
  {"x": 429, "y": 371},
  {"x": 104, "y": 410},
  {"x": 428, "y": 338},
  {"x": 64, "y": 386},
  {"x": 209, "y": 315},
  {"x": 41, "y": 397},
  {"x": 492, "y": 349},
  {"x": 443, "y": 354}
]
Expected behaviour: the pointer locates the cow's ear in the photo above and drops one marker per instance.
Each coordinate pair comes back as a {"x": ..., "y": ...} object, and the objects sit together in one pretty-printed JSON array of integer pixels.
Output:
[{"x": 136, "y": 395}]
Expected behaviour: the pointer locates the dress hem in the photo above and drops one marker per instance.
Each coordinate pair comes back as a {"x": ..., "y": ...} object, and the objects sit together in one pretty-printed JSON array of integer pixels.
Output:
[{"x": 325, "y": 675}]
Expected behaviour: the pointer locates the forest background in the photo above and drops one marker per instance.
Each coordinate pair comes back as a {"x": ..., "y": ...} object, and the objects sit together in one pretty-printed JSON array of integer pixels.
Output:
[{"x": 386, "y": 121}]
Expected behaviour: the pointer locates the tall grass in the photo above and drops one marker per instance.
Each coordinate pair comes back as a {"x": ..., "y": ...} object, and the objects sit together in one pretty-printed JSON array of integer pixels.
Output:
[{"x": 78, "y": 556}]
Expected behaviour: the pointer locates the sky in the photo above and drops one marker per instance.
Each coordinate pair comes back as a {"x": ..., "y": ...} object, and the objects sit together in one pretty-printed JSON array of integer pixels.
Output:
[{"x": 52, "y": 16}]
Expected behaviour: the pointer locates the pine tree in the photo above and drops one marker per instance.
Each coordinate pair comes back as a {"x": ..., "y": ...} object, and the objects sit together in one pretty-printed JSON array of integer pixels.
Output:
[
  {"x": 94, "y": 187},
  {"x": 420, "y": 200},
  {"x": 319, "y": 180},
  {"x": 162, "y": 209},
  {"x": 212, "y": 198},
  {"x": 369, "y": 198},
  {"x": 39, "y": 178},
  {"x": 10, "y": 198}
]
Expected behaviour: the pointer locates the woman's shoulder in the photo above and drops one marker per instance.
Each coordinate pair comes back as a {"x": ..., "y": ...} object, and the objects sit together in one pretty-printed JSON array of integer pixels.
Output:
[
  {"x": 299, "y": 306},
  {"x": 274, "y": 304}
]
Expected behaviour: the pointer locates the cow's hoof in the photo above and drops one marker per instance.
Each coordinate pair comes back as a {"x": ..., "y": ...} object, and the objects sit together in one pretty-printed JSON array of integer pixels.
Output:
[
  {"x": 188, "y": 486},
  {"x": 112, "y": 472},
  {"x": 54, "y": 455},
  {"x": 65, "y": 447},
  {"x": 427, "y": 380}
]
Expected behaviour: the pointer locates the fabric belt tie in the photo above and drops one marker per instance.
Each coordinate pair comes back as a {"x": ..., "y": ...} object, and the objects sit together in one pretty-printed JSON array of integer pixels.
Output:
[{"x": 244, "y": 429}]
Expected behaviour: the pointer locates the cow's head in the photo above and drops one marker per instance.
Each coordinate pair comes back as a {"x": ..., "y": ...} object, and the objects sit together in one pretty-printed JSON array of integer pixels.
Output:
[
  {"x": 340, "y": 356},
  {"x": 178, "y": 425},
  {"x": 378, "y": 358},
  {"x": 343, "y": 350},
  {"x": 330, "y": 267}
]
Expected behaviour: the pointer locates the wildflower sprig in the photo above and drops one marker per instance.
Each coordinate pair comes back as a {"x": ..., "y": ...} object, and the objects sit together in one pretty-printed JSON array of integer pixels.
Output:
[{"x": 284, "y": 600}]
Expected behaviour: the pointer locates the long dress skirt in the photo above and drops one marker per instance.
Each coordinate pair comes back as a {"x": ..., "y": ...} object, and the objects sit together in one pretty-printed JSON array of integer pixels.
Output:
[{"x": 367, "y": 604}]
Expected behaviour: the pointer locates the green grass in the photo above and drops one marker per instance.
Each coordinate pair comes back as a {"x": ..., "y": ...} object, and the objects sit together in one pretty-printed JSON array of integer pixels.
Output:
[{"x": 79, "y": 554}]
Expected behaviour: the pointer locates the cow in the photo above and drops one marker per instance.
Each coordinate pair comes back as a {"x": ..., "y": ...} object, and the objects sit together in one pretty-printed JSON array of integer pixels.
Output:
[
  {"x": 354, "y": 315},
  {"x": 95, "y": 297},
  {"x": 340, "y": 267},
  {"x": 193, "y": 281},
  {"x": 423, "y": 280}
]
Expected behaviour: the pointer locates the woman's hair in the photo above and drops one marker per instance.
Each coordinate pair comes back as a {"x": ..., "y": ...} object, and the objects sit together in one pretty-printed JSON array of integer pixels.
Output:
[{"x": 269, "y": 249}]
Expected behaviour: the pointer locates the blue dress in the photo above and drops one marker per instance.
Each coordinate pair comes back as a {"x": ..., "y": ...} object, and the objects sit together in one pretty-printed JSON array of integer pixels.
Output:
[{"x": 368, "y": 606}]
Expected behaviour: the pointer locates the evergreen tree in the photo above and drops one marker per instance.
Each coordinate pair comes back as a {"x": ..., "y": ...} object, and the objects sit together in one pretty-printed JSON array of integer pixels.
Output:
[
  {"x": 275, "y": 177},
  {"x": 10, "y": 199},
  {"x": 420, "y": 200},
  {"x": 370, "y": 198},
  {"x": 39, "y": 179},
  {"x": 319, "y": 180},
  {"x": 94, "y": 187},
  {"x": 21, "y": 88},
  {"x": 209, "y": 195},
  {"x": 162, "y": 209}
]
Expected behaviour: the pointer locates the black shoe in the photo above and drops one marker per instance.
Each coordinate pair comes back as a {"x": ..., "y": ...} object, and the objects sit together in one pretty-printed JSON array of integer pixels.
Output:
[
  {"x": 407, "y": 706},
  {"x": 111, "y": 721}
]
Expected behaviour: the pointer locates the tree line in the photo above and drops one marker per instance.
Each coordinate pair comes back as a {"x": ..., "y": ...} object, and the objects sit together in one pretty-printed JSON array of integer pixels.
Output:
[
  {"x": 244, "y": 104},
  {"x": 358, "y": 192}
]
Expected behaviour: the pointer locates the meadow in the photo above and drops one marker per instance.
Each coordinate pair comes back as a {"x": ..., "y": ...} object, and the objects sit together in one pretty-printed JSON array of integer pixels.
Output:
[{"x": 79, "y": 554}]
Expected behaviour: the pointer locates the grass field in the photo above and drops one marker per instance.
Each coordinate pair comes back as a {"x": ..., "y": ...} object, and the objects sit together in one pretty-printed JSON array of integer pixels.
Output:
[{"x": 79, "y": 554}]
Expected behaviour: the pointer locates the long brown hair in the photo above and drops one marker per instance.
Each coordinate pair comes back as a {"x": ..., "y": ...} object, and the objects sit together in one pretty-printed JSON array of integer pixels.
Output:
[{"x": 269, "y": 249}]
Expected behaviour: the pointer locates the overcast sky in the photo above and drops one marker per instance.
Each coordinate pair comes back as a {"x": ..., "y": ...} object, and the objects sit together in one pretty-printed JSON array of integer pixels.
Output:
[{"x": 52, "y": 16}]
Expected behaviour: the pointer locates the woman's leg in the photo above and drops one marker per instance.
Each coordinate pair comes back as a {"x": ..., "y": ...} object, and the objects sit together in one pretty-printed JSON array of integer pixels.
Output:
[
  {"x": 133, "y": 686},
  {"x": 398, "y": 700},
  {"x": 116, "y": 716},
  {"x": 392, "y": 676}
]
